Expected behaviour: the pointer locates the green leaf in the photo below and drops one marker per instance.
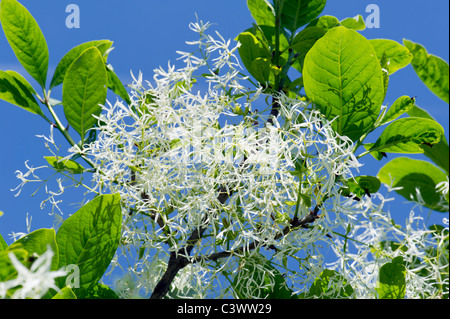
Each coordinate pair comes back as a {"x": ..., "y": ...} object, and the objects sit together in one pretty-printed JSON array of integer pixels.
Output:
[
  {"x": 416, "y": 111},
  {"x": 438, "y": 153},
  {"x": 391, "y": 280},
  {"x": 361, "y": 185},
  {"x": 356, "y": 23},
  {"x": 38, "y": 242},
  {"x": 406, "y": 135},
  {"x": 101, "y": 291},
  {"x": 102, "y": 45},
  {"x": 377, "y": 155},
  {"x": 397, "y": 55},
  {"x": 296, "y": 13},
  {"x": 22, "y": 81},
  {"x": 432, "y": 70},
  {"x": 66, "y": 165},
  {"x": 402, "y": 105},
  {"x": 3, "y": 244},
  {"x": 16, "y": 90},
  {"x": 411, "y": 174},
  {"x": 115, "y": 85},
  {"x": 262, "y": 70},
  {"x": 304, "y": 41},
  {"x": 89, "y": 239},
  {"x": 84, "y": 89},
  {"x": 325, "y": 22},
  {"x": 65, "y": 293},
  {"x": 26, "y": 39},
  {"x": 384, "y": 63},
  {"x": 267, "y": 35},
  {"x": 330, "y": 285},
  {"x": 255, "y": 56},
  {"x": 7, "y": 270},
  {"x": 343, "y": 77},
  {"x": 262, "y": 11}
]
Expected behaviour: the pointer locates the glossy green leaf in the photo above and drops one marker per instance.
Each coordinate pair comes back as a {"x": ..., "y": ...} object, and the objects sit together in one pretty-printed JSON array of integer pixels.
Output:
[
  {"x": 377, "y": 155},
  {"x": 65, "y": 293},
  {"x": 38, "y": 242},
  {"x": 89, "y": 239},
  {"x": 261, "y": 70},
  {"x": 65, "y": 165},
  {"x": 432, "y": 70},
  {"x": 384, "y": 63},
  {"x": 391, "y": 280},
  {"x": 84, "y": 90},
  {"x": 7, "y": 269},
  {"x": 14, "y": 90},
  {"x": 101, "y": 291},
  {"x": 405, "y": 135},
  {"x": 410, "y": 174},
  {"x": 304, "y": 41},
  {"x": 26, "y": 39},
  {"x": 102, "y": 45},
  {"x": 262, "y": 11},
  {"x": 297, "y": 13},
  {"x": 22, "y": 81},
  {"x": 361, "y": 185},
  {"x": 268, "y": 38},
  {"x": 325, "y": 22},
  {"x": 251, "y": 48},
  {"x": 438, "y": 153},
  {"x": 397, "y": 55},
  {"x": 330, "y": 285},
  {"x": 255, "y": 56},
  {"x": 356, "y": 23},
  {"x": 343, "y": 77},
  {"x": 402, "y": 105},
  {"x": 3, "y": 244},
  {"x": 115, "y": 85}
]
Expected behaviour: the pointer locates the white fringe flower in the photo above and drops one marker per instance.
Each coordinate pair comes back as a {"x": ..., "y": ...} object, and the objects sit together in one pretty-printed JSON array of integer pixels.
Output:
[{"x": 31, "y": 283}]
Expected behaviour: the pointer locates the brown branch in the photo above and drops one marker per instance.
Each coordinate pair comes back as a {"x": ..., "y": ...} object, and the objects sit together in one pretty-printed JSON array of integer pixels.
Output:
[
  {"x": 295, "y": 224},
  {"x": 178, "y": 260}
]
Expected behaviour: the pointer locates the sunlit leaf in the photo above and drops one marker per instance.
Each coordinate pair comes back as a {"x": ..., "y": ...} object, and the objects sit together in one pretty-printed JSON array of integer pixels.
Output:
[
  {"x": 26, "y": 39},
  {"x": 296, "y": 13},
  {"x": 397, "y": 55},
  {"x": 89, "y": 239},
  {"x": 84, "y": 90},
  {"x": 432, "y": 70},
  {"x": 343, "y": 77},
  {"x": 391, "y": 280},
  {"x": 406, "y": 135}
]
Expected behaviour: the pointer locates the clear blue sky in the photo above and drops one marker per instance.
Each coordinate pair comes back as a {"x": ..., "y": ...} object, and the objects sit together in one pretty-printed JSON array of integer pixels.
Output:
[{"x": 146, "y": 34}]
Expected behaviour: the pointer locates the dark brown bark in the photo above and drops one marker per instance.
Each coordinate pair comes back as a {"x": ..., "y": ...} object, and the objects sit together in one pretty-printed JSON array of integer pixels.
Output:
[{"x": 178, "y": 260}]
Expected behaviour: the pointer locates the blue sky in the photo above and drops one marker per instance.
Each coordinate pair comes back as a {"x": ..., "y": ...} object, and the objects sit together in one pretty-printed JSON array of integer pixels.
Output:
[{"x": 146, "y": 34}]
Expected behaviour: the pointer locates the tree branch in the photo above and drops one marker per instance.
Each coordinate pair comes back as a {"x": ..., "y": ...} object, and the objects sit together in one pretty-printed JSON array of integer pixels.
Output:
[
  {"x": 295, "y": 224},
  {"x": 178, "y": 260}
]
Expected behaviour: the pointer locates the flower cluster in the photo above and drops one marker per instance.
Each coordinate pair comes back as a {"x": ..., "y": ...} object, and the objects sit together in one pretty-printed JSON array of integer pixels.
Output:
[
  {"x": 377, "y": 240},
  {"x": 192, "y": 152},
  {"x": 33, "y": 282},
  {"x": 184, "y": 155}
]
